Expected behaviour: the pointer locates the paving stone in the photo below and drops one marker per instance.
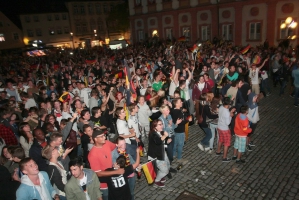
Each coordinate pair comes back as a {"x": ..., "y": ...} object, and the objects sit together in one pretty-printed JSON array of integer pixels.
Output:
[{"x": 257, "y": 176}]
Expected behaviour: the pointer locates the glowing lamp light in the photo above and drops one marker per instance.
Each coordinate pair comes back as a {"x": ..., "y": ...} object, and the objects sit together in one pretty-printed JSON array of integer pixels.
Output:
[
  {"x": 289, "y": 20},
  {"x": 293, "y": 25},
  {"x": 283, "y": 25},
  {"x": 293, "y": 37}
]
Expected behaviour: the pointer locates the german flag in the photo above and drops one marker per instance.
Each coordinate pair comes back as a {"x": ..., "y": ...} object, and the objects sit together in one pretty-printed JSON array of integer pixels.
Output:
[
  {"x": 256, "y": 60},
  {"x": 126, "y": 76},
  {"x": 65, "y": 97},
  {"x": 90, "y": 61},
  {"x": 193, "y": 48},
  {"x": 118, "y": 74},
  {"x": 126, "y": 111},
  {"x": 140, "y": 150},
  {"x": 149, "y": 171},
  {"x": 245, "y": 49},
  {"x": 182, "y": 39}
]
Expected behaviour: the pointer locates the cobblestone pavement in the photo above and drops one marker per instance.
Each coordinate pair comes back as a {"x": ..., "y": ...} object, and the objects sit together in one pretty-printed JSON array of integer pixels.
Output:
[{"x": 271, "y": 170}]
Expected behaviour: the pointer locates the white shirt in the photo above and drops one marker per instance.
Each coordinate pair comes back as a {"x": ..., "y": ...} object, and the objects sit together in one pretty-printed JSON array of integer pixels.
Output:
[
  {"x": 254, "y": 75},
  {"x": 85, "y": 95},
  {"x": 201, "y": 86},
  {"x": 172, "y": 88},
  {"x": 134, "y": 123},
  {"x": 264, "y": 74},
  {"x": 186, "y": 90},
  {"x": 224, "y": 119},
  {"x": 83, "y": 181},
  {"x": 123, "y": 129},
  {"x": 30, "y": 103}
]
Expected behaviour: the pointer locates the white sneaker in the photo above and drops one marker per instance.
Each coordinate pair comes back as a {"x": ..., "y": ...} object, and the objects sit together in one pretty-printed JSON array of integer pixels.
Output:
[
  {"x": 200, "y": 147},
  {"x": 210, "y": 151},
  {"x": 207, "y": 148}
]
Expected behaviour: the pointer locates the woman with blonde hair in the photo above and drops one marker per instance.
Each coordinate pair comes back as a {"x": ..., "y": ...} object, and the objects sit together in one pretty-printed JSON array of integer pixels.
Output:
[{"x": 56, "y": 172}]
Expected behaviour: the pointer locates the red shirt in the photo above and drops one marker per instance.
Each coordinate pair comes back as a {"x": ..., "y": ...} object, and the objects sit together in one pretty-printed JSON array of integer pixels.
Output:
[
  {"x": 100, "y": 158},
  {"x": 7, "y": 135}
]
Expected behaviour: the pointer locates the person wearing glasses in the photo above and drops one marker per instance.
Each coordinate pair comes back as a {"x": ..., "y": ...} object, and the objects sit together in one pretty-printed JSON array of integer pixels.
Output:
[{"x": 156, "y": 150}]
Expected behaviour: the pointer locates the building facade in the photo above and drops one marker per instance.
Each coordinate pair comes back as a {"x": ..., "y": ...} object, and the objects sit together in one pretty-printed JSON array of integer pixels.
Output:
[
  {"x": 242, "y": 21},
  {"x": 11, "y": 36},
  {"x": 52, "y": 29},
  {"x": 88, "y": 22}
]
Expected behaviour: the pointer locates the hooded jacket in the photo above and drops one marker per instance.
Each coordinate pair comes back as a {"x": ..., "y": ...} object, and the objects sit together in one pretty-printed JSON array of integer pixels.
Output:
[
  {"x": 241, "y": 128},
  {"x": 253, "y": 111},
  {"x": 74, "y": 191},
  {"x": 28, "y": 190}
]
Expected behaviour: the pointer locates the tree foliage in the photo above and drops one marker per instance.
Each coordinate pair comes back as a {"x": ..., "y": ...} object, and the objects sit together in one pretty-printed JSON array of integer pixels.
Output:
[{"x": 119, "y": 18}]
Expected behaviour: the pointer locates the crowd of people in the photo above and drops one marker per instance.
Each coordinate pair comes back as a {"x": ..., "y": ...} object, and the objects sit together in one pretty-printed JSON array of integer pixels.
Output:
[{"x": 74, "y": 123}]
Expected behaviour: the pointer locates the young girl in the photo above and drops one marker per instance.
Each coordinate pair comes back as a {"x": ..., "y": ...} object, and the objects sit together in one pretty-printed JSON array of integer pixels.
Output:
[
  {"x": 253, "y": 117},
  {"x": 26, "y": 138}
]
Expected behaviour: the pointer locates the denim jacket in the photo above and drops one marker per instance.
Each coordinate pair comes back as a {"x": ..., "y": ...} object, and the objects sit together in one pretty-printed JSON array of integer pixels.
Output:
[{"x": 166, "y": 127}]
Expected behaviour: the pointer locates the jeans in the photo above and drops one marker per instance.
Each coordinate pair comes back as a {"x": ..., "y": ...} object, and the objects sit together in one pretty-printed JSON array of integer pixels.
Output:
[
  {"x": 206, "y": 140},
  {"x": 213, "y": 128},
  {"x": 283, "y": 86},
  {"x": 296, "y": 96},
  {"x": 265, "y": 85},
  {"x": 169, "y": 149},
  {"x": 132, "y": 182},
  {"x": 163, "y": 168},
  {"x": 62, "y": 197},
  {"x": 104, "y": 194},
  {"x": 179, "y": 139}
]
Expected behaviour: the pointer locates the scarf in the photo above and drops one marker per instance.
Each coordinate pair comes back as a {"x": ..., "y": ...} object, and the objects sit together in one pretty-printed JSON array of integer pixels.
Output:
[{"x": 126, "y": 156}]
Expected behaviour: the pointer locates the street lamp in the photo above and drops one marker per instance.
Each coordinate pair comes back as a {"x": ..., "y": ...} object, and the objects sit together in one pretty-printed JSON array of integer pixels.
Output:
[
  {"x": 288, "y": 24},
  {"x": 72, "y": 38}
]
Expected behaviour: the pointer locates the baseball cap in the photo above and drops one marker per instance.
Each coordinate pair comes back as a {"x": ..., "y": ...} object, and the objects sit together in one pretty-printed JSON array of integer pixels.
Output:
[{"x": 96, "y": 133}]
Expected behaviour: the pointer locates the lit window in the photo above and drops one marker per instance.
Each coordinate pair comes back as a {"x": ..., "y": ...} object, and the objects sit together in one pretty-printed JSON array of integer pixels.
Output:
[
  {"x": 227, "y": 32},
  {"x": 2, "y": 39},
  {"x": 255, "y": 31},
  {"x": 51, "y": 31}
]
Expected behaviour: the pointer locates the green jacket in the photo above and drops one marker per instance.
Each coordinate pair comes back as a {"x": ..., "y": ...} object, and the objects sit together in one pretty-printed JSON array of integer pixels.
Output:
[{"x": 74, "y": 191}]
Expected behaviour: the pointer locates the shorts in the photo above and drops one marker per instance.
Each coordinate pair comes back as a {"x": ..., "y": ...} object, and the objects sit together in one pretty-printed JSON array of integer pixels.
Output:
[
  {"x": 224, "y": 137},
  {"x": 240, "y": 144}
]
